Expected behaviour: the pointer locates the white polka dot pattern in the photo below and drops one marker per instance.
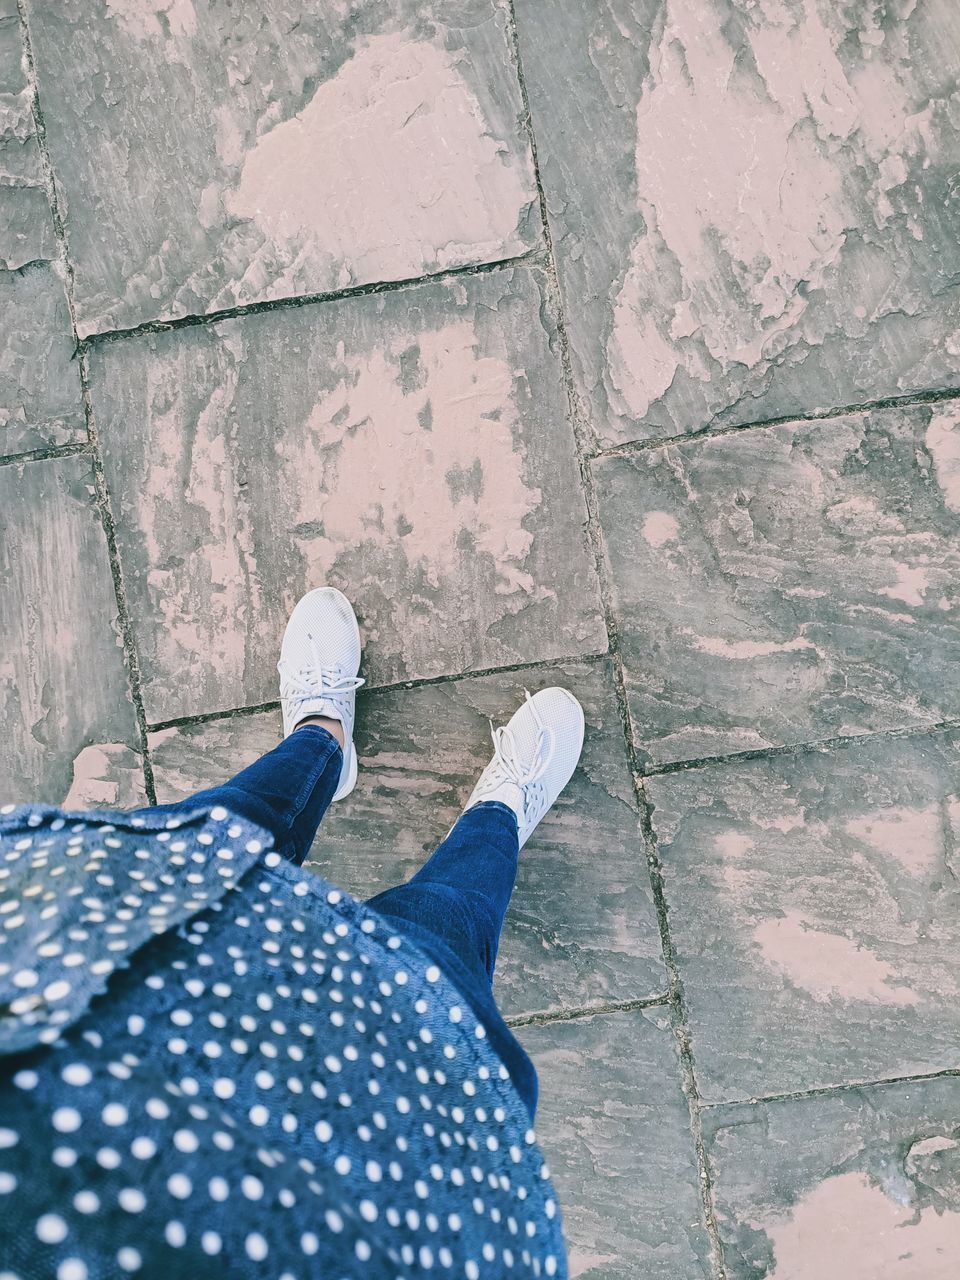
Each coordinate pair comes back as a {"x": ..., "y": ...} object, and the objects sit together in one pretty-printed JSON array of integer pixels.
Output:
[
  {"x": 279, "y": 1083},
  {"x": 80, "y": 893}
]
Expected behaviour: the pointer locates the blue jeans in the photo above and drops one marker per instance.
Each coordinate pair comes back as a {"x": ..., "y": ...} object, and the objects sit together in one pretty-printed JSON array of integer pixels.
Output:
[{"x": 453, "y": 908}]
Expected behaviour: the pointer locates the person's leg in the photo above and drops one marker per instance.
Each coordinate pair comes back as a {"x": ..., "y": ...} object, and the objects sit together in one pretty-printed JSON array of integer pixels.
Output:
[
  {"x": 286, "y": 792},
  {"x": 460, "y": 895},
  {"x": 462, "y": 891}
]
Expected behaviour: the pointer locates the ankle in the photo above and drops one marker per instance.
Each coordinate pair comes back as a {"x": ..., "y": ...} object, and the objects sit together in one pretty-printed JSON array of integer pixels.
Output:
[{"x": 333, "y": 727}]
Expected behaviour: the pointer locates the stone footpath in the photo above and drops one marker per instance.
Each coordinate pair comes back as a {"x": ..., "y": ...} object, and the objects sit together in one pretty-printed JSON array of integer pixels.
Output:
[{"x": 610, "y": 344}]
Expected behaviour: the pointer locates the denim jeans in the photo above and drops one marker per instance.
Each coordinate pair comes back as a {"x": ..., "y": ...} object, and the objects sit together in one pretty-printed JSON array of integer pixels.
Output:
[{"x": 453, "y": 907}]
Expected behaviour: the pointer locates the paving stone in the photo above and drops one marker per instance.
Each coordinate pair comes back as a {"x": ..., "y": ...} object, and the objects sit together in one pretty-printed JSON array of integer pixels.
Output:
[
  {"x": 304, "y": 147},
  {"x": 582, "y": 928},
  {"x": 754, "y": 206},
  {"x": 62, "y": 682},
  {"x": 815, "y": 912},
  {"x": 614, "y": 1127},
  {"x": 787, "y": 584},
  {"x": 409, "y": 447},
  {"x": 12, "y": 77},
  {"x": 40, "y": 396},
  {"x": 107, "y": 775},
  {"x": 26, "y": 228},
  {"x": 40, "y": 403},
  {"x": 860, "y": 1185}
]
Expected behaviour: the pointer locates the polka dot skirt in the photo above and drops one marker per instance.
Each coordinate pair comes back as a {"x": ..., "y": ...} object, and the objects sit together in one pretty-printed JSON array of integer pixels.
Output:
[{"x": 241, "y": 1065}]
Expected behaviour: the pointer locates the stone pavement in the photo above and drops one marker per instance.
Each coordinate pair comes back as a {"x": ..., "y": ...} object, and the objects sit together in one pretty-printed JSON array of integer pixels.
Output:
[{"x": 611, "y": 344}]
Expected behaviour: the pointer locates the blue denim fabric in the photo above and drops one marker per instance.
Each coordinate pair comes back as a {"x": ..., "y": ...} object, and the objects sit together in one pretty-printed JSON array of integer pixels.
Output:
[
  {"x": 453, "y": 908},
  {"x": 462, "y": 892},
  {"x": 286, "y": 792}
]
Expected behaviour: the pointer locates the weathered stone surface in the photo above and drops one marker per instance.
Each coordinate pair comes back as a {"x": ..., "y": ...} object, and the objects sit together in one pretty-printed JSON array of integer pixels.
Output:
[
  {"x": 40, "y": 398},
  {"x": 11, "y": 48},
  {"x": 26, "y": 228},
  {"x": 40, "y": 401},
  {"x": 62, "y": 680},
  {"x": 107, "y": 775},
  {"x": 409, "y": 447},
  {"x": 303, "y": 147},
  {"x": 862, "y": 1185},
  {"x": 614, "y": 1127},
  {"x": 785, "y": 584},
  {"x": 815, "y": 912},
  {"x": 754, "y": 205},
  {"x": 582, "y": 927}
]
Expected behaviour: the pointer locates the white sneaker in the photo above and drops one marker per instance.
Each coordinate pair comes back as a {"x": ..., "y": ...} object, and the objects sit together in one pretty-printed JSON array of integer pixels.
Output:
[
  {"x": 534, "y": 757},
  {"x": 319, "y": 661}
]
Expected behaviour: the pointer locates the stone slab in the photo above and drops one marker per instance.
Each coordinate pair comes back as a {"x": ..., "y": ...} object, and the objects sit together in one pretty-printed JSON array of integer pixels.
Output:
[
  {"x": 582, "y": 929},
  {"x": 815, "y": 913},
  {"x": 303, "y": 147},
  {"x": 861, "y": 1185},
  {"x": 26, "y": 228},
  {"x": 11, "y": 47},
  {"x": 788, "y": 584},
  {"x": 614, "y": 1127},
  {"x": 107, "y": 776},
  {"x": 41, "y": 404},
  {"x": 63, "y": 687},
  {"x": 409, "y": 447},
  {"x": 754, "y": 206}
]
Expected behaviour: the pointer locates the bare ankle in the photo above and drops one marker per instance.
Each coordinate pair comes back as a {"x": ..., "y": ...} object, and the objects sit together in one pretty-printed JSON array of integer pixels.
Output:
[{"x": 333, "y": 727}]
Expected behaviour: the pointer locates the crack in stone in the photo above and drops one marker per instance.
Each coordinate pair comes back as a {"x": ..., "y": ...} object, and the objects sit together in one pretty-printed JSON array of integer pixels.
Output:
[
  {"x": 828, "y": 1091},
  {"x": 582, "y": 434},
  {"x": 131, "y": 656},
  {"x": 531, "y": 258},
  {"x": 544, "y": 664},
  {"x": 819, "y": 415}
]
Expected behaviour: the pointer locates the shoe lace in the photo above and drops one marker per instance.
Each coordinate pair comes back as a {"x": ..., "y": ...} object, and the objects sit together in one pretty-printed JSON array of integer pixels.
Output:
[
  {"x": 526, "y": 773},
  {"x": 319, "y": 680}
]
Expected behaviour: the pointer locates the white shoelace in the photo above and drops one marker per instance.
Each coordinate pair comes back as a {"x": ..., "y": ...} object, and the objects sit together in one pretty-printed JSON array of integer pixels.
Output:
[
  {"x": 526, "y": 775},
  {"x": 318, "y": 681}
]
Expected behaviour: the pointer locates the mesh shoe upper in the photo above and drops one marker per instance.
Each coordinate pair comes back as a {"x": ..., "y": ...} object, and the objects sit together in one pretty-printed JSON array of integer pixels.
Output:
[{"x": 534, "y": 757}]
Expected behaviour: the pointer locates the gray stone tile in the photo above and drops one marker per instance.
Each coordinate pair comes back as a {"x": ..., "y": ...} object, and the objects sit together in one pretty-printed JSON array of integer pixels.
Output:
[
  {"x": 63, "y": 687},
  {"x": 787, "y": 584},
  {"x": 754, "y": 206},
  {"x": 107, "y": 776},
  {"x": 299, "y": 148},
  {"x": 815, "y": 913},
  {"x": 40, "y": 402},
  {"x": 40, "y": 396},
  {"x": 861, "y": 1185},
  {"x": 26, "y": 228},
  {"x": 582, "y": 928},
  {"x": 614, "y": 1127},
  {"x": 12, "y": 77},
  {"x": 409, "y": 447}
]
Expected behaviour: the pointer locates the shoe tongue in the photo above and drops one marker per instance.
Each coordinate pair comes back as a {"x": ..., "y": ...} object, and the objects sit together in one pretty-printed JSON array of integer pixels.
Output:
[
  {"x": 514, "y": 793},
  {"x": 527, "y": 747},
  {"x": 510, "y": 794}
]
